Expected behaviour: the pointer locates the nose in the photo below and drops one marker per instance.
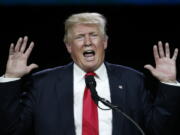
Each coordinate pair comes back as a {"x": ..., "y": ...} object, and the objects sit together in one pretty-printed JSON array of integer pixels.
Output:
[{"x": 87, "y": 41}]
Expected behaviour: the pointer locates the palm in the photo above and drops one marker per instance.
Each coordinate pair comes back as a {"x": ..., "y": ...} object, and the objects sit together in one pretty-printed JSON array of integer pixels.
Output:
[
  {"x": 165, "y": 69},
  {"x": 17, "y": 61}
]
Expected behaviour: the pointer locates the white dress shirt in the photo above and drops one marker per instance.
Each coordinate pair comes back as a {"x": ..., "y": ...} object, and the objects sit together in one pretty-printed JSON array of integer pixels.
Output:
[{"x": 103, "y": 90}]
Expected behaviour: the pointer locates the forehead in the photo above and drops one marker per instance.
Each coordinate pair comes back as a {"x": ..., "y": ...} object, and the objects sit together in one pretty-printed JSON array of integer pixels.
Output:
[{"x": 84, "y": 28}]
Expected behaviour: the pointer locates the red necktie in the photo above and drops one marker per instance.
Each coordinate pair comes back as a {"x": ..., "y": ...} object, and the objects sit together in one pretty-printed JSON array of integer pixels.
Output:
[{"x": 90, "y": 113}]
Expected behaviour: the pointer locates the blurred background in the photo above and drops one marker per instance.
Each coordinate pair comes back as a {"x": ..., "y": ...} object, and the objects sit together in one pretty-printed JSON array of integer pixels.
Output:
[{"x": 134, "y": 26}]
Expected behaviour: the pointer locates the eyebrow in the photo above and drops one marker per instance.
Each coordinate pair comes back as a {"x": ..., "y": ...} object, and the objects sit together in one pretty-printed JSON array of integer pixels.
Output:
[{"x": 87, "y": 33}]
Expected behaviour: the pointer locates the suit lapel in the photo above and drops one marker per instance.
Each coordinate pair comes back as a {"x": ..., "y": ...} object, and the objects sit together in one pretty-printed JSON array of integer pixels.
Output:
[
  {"x": 117, "y": 89},
  {"x": 64, "y": 88}
]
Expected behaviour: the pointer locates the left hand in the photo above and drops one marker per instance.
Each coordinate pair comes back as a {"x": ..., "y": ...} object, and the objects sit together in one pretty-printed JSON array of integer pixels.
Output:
[{"x": 165, "y": 70}]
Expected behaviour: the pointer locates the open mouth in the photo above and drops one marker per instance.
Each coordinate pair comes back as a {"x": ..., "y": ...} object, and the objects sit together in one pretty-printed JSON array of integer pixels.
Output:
[{"x": 89, "y": 55}]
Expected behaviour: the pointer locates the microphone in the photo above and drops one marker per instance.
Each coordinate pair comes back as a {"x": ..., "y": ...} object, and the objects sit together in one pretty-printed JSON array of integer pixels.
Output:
[{"x": 91, "y": 84}]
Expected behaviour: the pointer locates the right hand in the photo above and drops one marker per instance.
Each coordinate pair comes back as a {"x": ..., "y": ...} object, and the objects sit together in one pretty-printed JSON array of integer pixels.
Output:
[{"x": 17, "y": 61}]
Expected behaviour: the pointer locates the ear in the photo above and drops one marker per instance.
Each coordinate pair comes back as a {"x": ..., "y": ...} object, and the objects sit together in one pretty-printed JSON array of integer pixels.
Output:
[
  {"x": 105, "y": 42},
  {"x": 68, "y": 47}
]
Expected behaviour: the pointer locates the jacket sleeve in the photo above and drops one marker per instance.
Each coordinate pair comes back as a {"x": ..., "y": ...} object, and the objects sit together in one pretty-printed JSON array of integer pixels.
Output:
[
  {"x": 16, "y": 109},
  {"x": 163, "y": 111}
]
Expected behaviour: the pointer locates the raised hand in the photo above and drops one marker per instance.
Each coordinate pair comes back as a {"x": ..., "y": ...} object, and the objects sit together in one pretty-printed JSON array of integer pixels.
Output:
[
  {"x": 17, "y": 61},
  {"x": 165, "y": 68}
]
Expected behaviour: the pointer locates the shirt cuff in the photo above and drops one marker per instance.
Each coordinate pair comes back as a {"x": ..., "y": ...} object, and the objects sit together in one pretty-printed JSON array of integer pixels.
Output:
[
  {"x": 3, "y": 79},
  {"x": 173, "y": 84}
]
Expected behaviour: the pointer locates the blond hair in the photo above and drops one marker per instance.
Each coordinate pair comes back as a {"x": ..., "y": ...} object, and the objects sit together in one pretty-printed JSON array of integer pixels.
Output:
[{"x": 85, "y": 18}]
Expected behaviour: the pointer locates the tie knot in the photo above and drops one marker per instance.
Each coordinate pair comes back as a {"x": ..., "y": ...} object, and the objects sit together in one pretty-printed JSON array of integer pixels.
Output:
[{"x": 90, "y": 74}]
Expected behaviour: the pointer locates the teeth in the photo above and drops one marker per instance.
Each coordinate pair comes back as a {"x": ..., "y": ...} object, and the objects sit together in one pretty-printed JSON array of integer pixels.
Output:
[{"x": 89, "y": 52}]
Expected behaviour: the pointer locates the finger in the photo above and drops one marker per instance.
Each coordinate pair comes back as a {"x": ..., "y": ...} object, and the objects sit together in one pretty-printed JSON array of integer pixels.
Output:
[
  {"x": 24, "y": 43},
  {"x": 18, "y": 44},
  {"x": 167, "y": 50},
  {"x": 161, "y": 50},
  {"x": 11, "y": 49},
  {"x": 29, "y": 50},
  {"x": 31, "y": 67},
  {"x": 175, "y": 54},
  {"x": 156, "y": 54},
  {"x": 149, "y": 67}
]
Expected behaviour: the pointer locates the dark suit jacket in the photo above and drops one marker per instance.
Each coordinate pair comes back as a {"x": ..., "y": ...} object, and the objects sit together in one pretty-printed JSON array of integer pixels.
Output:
[{"x": 46, "y": 105}]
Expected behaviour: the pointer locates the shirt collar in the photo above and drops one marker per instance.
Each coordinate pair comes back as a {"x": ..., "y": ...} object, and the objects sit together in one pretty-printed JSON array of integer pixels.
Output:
[
  {"x": 79, "y": 73},
  {"x": 101, "y": 72}
]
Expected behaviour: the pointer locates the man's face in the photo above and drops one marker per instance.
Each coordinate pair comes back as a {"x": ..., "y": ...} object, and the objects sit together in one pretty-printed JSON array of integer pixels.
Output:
[{"x": 87, "y": 46}]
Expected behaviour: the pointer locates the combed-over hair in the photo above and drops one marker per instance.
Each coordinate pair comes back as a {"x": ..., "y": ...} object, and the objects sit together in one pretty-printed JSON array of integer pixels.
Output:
[{"x": 84, "y": 18}]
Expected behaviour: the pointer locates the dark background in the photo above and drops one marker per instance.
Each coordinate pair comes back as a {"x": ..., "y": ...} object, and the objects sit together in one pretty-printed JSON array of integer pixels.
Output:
[{"x": 132, "y": 30}]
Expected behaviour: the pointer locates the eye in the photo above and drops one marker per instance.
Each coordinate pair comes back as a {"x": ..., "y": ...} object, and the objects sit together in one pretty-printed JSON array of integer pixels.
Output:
[
  {"x": 94, "y": 35},
  {"x": 79, "y": 37}
]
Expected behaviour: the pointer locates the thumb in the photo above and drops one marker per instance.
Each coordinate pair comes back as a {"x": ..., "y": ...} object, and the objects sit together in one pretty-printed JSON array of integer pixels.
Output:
[
  {"x": 149, "y": 67},
  {"x": 32, "y": 66}
]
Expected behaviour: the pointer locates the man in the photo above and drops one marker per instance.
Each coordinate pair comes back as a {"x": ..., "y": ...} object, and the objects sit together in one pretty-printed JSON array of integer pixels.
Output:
[{"x": 51, "y": 102}]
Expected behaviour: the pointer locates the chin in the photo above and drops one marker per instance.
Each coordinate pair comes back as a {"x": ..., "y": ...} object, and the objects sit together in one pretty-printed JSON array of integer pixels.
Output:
[{"x": 91, "y": 67}]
